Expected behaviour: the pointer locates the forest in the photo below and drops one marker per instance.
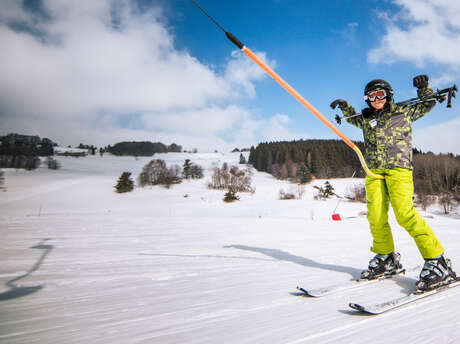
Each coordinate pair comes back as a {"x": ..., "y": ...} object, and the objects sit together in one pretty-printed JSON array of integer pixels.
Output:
[
  {"x": 23, "y": 151},
  {"x": 144, "y": 148},
  {"x": 323, "y": 158},
  {"x": 300, "y": 161}
]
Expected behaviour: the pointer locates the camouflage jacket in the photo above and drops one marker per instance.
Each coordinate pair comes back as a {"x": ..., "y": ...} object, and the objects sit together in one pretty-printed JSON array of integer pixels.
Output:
[{"x": 388, "y": 132}]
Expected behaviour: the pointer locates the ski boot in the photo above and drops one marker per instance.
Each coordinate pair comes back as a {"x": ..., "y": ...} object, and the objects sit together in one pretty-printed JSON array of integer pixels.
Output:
[
  {"x": 382, "y": 265},
  {"x": 435, "y": 273}
]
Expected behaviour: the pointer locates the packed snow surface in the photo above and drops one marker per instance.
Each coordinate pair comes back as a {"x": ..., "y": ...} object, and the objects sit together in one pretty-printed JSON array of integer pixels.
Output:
[{"x": 80, "y": 263}]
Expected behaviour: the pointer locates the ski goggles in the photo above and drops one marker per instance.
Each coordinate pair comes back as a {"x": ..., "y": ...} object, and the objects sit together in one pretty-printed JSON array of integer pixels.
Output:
[{"x": 378, "y": 94}]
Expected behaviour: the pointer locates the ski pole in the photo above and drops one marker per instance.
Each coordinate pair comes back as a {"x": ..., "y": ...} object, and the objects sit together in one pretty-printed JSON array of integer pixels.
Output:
[
  {"x": 451, "y": 93},
  {"x": 338, "y": 119},
  {"x": 294, "y": 93},
  {"x": 412, "y": 101},
  {"x": 440, "y": 96}
]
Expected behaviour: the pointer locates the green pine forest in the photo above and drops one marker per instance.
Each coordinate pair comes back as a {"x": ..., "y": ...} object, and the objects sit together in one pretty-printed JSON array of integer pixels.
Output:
[
  {"x": 304, "y": 160},
  {"x": 323, "y": 158}
]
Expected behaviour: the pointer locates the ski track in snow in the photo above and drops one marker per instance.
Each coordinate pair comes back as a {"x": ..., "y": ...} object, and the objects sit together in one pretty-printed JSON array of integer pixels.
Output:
[{"x": 82, "y": 264}]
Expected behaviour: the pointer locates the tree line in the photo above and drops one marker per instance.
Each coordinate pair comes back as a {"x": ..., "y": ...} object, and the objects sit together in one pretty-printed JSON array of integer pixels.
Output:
[
  {"x": 144, "y": 148},
  {"x": 23, "y": 151},
  {"x": 437, "y": 175},
  {"x": 323, "y": 159},
  {"x": 294, "y": 159},
  {"x": 156, "y": 172},
  {"x": 16, "y": 144}
]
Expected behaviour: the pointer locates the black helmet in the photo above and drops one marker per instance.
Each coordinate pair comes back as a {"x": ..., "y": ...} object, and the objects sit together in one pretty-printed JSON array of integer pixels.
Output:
[{"x": 379, "y": 84}]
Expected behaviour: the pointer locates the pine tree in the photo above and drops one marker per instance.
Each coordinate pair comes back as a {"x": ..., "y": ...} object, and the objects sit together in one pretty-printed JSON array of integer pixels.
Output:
[
  {"x": 328, "y": 189},
  {"x": 242, "y": 159},
  {"x": 125, "y": 183},
  {"x": 230, "y": 196},
  {"x": 303, "y": 174},
  {"x": 325, "y": 191},
  {"x": 297, "y": 154},
  {"x": 316, "y": 163},
  {"x": 196, "y": 171},
  {"x": 186, "y": 169},
  {"x": 282, "y": 155},
  {"x": 252, "y": 155}
]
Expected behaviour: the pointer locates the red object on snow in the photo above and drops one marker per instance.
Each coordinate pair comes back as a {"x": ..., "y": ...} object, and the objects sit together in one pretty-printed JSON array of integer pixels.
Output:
[{"x": 336, "y": 217}]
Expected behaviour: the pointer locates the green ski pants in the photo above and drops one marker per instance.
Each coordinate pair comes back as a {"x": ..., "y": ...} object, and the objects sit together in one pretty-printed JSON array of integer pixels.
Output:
[{"x": 397, "y": 188}]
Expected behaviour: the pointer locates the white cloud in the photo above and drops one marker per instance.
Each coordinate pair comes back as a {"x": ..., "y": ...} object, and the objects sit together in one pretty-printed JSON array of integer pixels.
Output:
[
  {"x": 94, "y": 66},
  {"x": 348, "y": 33},
  {"x": 422, "y": 32},
  {"x": 242, "y": 71},
  {"x": 352, "y": 26},
  {"x": 277, "y": 129},
  {"x": 102, "y": 71},
  {"x": 210, "y": 120},
  {"x": 426, "y": 33},
  {"x": 428, "y": 139}
]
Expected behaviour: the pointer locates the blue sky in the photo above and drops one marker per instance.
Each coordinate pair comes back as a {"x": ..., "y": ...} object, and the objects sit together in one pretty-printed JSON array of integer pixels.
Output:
[{"x": 159, "y": 70}]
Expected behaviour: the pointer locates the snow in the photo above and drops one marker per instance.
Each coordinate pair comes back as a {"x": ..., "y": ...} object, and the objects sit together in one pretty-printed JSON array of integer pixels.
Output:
[
  {"x": 59, "y": 149},
  {"x": 80, "y": 263}
]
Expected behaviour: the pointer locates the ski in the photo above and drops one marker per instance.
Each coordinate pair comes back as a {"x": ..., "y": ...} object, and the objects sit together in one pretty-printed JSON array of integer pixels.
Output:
[
  {"x": 404, "y": 300},
  {"x": 352, "y": 284}
]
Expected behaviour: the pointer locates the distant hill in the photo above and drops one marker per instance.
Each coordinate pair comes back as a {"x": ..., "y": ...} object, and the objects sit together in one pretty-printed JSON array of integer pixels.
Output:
[{"x": 144, "y": 148}]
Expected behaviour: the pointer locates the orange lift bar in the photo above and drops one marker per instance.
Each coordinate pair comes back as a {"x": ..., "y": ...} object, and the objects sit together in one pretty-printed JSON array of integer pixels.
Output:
[{"x": 295, "y": 94}]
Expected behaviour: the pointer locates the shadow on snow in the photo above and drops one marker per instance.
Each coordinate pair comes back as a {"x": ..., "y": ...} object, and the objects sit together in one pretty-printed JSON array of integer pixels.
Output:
[
  {"x": 288, "y": 257},
  {"x": 15, "y": 290}
]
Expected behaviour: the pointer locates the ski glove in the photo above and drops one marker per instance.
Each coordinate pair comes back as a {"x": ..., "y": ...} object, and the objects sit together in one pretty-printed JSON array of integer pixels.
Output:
[
  {"x": 421, "y": 81},
  {"x": 340, "y": 102},
  {"x": 367, "y": 113}
]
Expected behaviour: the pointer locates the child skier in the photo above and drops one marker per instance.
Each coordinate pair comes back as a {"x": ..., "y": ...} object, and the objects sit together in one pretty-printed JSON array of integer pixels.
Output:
[{"x": 387, "y": 131}]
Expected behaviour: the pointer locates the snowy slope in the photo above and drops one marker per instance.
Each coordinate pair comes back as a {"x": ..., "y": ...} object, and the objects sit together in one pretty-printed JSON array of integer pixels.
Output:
[{"x": 82, "y": 264}]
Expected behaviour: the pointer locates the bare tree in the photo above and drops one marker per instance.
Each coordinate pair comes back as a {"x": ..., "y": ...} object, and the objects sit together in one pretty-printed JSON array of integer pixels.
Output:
[
  {"x": 356, "y": 193},
  {"x": 286, "y": 195},
  {"x": 291, "y": 169},
  {"x": 447, "y": 202},
  {"x": 275, "y": 171},
  {"x": 425, "y": 200},
  {"x": 283, "y": 172},
  {"x": 231, "y": 178},
  {"x": 157, "y": 173}
]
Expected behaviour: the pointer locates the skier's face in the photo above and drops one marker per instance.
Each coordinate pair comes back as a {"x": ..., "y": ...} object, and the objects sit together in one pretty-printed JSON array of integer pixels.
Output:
[{"x": 378, "y": 104}]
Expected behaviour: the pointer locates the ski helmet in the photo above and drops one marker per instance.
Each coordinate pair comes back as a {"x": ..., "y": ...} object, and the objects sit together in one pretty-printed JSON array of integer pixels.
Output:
[{"x": 379, "y": 84}]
